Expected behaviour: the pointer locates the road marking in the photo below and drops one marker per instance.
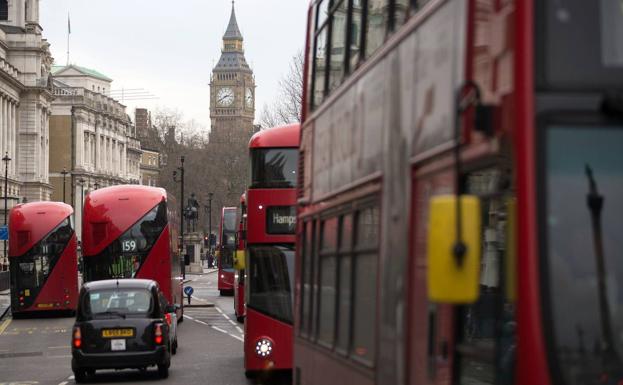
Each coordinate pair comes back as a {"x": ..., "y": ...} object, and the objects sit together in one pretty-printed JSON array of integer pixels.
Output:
[
  {"x": 63, "y": 356},
  {"x": 231, "y": 322},
  {"x": 236, "y": 337},
  {"x": 4, "y": 325},
  {"x": 220, "y": 330},
  {"x": 218, "y": 309},
  {"x": 70, "y": 377},
  {"x": 63, "y": 383},
  {"x": 239, "y": 329},
  {"x": 189, "y": 317},
  {"x": 59, "y": 347}
]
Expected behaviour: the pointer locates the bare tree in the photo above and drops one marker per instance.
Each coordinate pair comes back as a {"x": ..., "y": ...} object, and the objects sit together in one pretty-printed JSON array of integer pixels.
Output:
[{"x": 287, "y": 108}]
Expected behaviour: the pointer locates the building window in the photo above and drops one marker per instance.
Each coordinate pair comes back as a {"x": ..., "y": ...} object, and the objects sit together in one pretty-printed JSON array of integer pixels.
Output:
[{"x": 4, "y": 10}]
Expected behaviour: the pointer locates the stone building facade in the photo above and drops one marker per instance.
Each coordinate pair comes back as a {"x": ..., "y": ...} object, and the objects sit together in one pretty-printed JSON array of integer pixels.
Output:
[
  {"x": 25, "y": 98},
  {"x": 150, "y": 167},
  {"x": 92, "y": 137}
]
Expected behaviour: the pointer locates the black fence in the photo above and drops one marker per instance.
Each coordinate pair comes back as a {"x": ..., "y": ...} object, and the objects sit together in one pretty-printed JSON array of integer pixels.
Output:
[{"x": 4, "y": 280}]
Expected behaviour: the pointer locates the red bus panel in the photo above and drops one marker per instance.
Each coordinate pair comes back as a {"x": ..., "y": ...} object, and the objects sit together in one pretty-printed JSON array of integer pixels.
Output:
[{"x": 42, "y": 257}]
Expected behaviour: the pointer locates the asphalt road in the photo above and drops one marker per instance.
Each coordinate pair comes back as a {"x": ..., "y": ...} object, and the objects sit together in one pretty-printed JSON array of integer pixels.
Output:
[{"x": 37, "y": 351}]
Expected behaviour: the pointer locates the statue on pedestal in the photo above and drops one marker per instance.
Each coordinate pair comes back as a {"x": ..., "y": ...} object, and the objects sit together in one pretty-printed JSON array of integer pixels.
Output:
[{"x": 191, "y": 213}]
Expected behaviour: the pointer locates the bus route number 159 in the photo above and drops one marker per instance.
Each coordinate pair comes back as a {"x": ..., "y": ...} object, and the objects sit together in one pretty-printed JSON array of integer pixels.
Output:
[{"x": 128, "y": 245}]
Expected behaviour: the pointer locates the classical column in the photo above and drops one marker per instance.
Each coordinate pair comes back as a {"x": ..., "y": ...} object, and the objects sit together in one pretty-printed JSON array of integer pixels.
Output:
[
  {"x": 3, "y": 143},
  {"x": 12, "y": 135},
  {"x": 15, "y": 123}
]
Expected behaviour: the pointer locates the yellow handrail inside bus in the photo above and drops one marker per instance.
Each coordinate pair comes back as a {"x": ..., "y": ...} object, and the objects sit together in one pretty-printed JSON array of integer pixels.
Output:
[{"x": 450, "y": 279}]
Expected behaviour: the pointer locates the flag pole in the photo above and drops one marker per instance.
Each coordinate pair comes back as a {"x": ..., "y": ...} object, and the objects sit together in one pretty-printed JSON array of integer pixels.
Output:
[{"x": 68, "y": 33}]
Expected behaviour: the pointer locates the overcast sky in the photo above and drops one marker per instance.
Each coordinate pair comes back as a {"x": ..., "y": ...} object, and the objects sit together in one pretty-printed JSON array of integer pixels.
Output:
[{"x": 169, "y": 47}]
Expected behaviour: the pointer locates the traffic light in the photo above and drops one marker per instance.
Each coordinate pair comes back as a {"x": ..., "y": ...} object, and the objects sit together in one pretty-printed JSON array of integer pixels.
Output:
[{"x": 205, "y": 241}]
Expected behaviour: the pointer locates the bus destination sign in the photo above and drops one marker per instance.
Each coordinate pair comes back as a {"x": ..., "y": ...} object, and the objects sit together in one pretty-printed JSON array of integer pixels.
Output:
[{"x": 281, "y": 220}]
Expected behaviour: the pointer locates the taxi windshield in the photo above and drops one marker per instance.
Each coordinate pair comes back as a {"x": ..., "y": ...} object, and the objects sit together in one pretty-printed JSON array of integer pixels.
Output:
[{"x": 118, "y": 302}]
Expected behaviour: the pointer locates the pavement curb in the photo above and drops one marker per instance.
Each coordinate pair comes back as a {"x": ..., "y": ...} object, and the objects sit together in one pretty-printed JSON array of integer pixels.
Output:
[
  {"x": 4, "y": 312},
  {"x": 201, "y": 305}
]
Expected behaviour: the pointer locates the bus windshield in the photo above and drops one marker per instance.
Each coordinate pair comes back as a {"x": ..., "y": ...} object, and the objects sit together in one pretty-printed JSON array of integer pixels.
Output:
[
  {"x": 125, "y": 255},
  {"x": 271, "y": 272},
  {"x": 30, "y": 271},
  {"x": 583, "y": 221},
  {"x": 274, "y": 168}
]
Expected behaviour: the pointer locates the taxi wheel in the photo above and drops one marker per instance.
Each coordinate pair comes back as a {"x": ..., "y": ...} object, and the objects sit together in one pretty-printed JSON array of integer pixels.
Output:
[
  {"x": 174, "y": 346},
  {"x": 163, "y": 370},
  {"x": 80, "y": 375}
]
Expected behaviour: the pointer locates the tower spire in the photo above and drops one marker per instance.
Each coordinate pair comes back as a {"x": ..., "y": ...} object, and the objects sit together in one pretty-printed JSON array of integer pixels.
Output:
[{"x": 233, "y": 32}]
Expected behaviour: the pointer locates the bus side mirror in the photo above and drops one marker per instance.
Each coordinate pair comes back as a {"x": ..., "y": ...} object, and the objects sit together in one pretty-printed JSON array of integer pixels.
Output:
[
  {"x": 239, "y": 260},
  {"x": 453, "y": 280},
  {"x": 186, "y": 259}
]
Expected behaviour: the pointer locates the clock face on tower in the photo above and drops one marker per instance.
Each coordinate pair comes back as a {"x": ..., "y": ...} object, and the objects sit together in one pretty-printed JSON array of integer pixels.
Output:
[
  {"x": 225, "y": 97},
  {"x": 248, "y": 97}
]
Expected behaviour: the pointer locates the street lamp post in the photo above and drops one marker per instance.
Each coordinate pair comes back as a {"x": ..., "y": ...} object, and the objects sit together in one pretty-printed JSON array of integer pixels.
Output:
[
  {"x": 81, "y": 181},
  {"x": 210, "y": 195},
  {"x": 6, "y": 161},
  {"x": 64, "y": 173},
  {"x": 181, "y": 169}
]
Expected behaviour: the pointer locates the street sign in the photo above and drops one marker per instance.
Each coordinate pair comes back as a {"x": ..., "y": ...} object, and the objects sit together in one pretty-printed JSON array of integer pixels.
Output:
[
  {"x": 4, "y": 233},
  {"x": 188, "y": 290}
]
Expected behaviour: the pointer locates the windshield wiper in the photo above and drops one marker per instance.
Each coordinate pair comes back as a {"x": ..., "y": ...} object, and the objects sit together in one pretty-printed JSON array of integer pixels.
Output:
[{"x": 109, "y": 312}]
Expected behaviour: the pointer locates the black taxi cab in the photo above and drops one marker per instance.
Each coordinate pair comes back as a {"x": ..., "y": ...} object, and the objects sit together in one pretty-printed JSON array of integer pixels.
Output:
[{"x": 120, "y": 324}]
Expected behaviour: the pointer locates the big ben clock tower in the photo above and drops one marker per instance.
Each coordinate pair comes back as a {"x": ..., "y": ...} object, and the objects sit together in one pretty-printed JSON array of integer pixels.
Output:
[{"x": 232, "y": 91}]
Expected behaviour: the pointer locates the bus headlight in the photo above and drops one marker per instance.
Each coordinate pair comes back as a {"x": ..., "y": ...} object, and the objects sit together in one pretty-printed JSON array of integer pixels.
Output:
[{"x": 264, "y": 347}]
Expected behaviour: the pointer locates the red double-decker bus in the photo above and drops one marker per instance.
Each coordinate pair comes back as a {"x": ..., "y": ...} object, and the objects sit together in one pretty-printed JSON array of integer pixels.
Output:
[
  {"x": 271, "y": 221},
  {"x": 516, "y": 107},
  {"x": 129, "y": 232},
  {"x": 42, "y": 258},
  {"x": 239, "y": 275},
  {"x": 228, "y": 228}
]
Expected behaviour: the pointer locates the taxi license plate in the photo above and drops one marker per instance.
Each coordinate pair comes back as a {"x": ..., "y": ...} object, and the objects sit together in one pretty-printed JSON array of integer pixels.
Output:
[
  {"x": 115, "y": 333},
  {"x": 117, "y": 345}
]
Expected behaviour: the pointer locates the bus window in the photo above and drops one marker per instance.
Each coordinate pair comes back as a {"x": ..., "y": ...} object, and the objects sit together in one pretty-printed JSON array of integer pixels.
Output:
[
  {"x": 125, "y": 255},
  {"x": 355, "y": 33},
  {"x": 30, "y": 271},
  {"x": 588, "y": 34},
  {"x": 365, "y": 286},
  {"x": 338, "y": 43},
  {"x": 376, "y": 25},
  {"x": 584, "y": 270},
  {"x": 271, "y": 270},
  {"x": 308, "y": 274},
  {"x": 486, "y": 347},
  {"x": 344, "y": 284},
  {"x": 400, "y": 13},
  {"x": 328, "y": 270},
  {"x": 274, "y": 168}
]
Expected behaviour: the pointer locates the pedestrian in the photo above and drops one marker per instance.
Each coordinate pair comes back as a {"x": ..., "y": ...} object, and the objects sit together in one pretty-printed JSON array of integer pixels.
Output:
[{"x": 210, "y": 260}]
